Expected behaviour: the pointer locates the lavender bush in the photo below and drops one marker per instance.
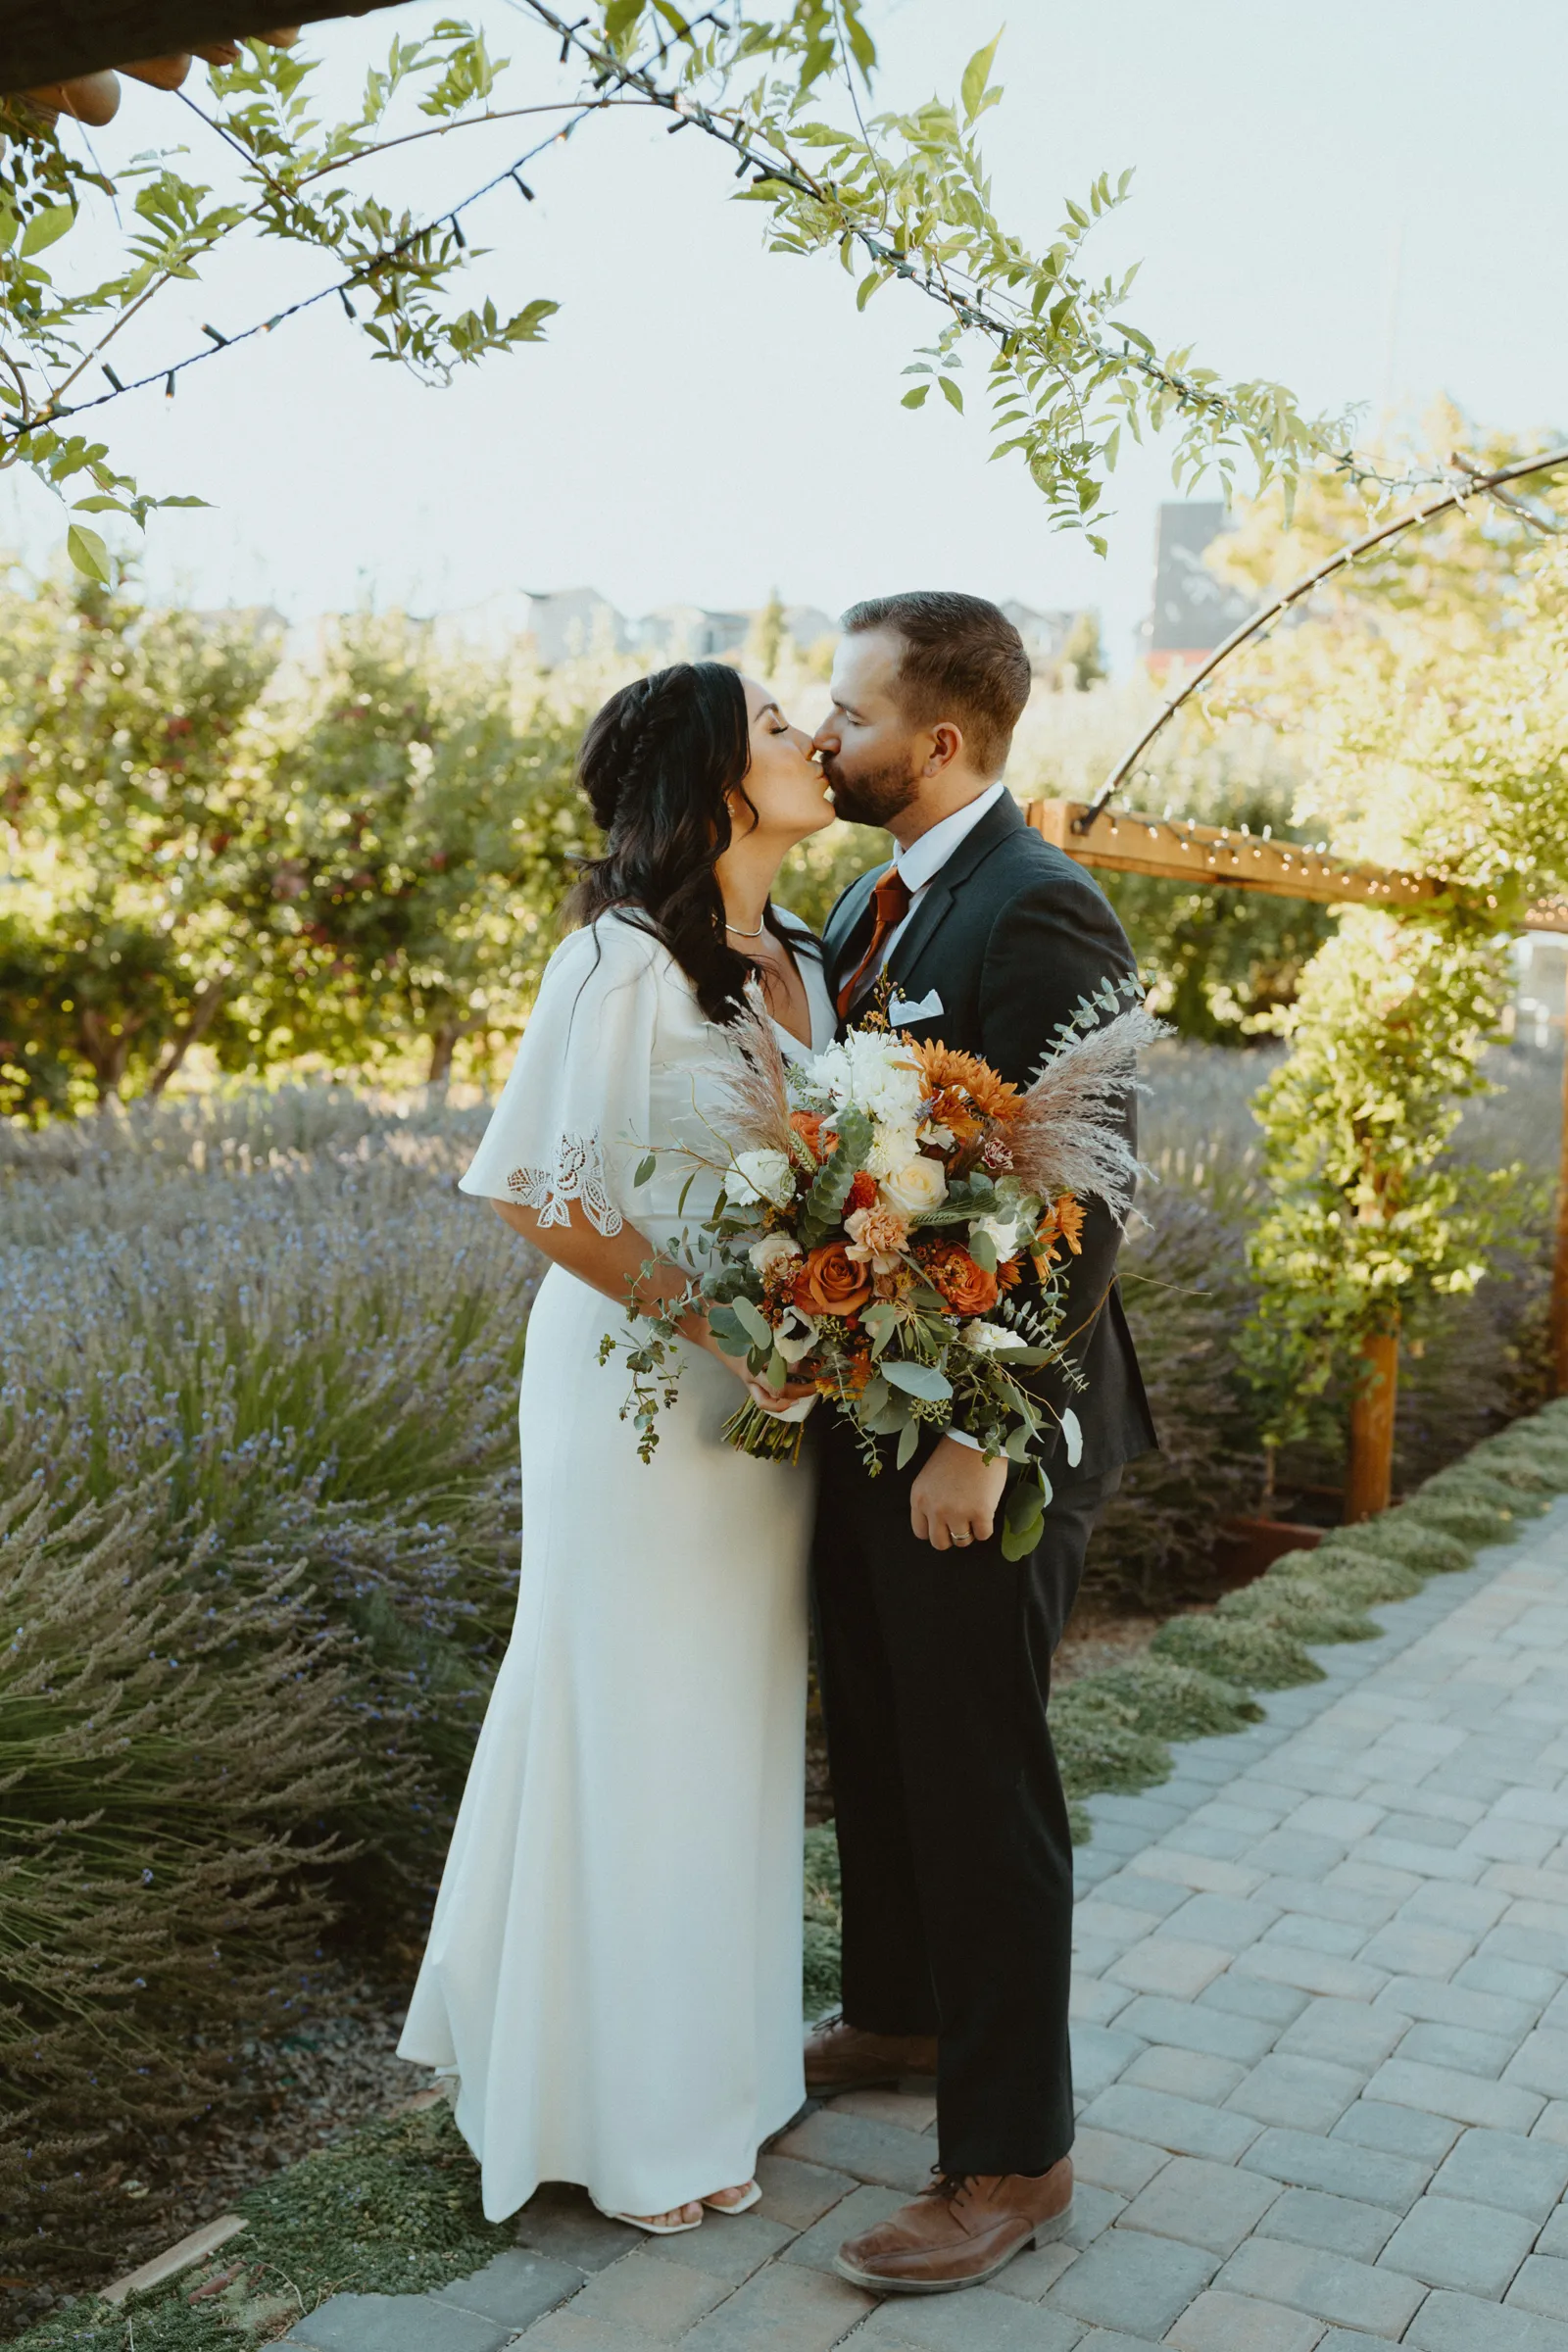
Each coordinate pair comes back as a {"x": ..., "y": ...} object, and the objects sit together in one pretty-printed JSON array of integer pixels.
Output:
[{"x": 258, "y": 1381}]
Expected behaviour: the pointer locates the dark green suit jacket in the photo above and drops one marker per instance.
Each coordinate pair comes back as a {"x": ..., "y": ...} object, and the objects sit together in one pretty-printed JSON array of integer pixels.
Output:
[{"x": 1012, "y": 935}]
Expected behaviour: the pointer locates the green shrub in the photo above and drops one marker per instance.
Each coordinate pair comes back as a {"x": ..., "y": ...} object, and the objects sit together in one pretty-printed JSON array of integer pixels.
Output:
[
  {"x": 1310, "y": 1607},
  {"x": 258, "y": 1381},
  {"x": 1395, "y": 1536},
  {"x": 1259, "y": 1657},
  {"x": 824, "y": 1920},
  {"x": 1355, "y": 1577},
  {"x": 1173, "y": 1701},
  {"x": 1185, "y": 1287},
  {"x": 174, "y": 1743},
  {"x": 1099, "y": 1744}
]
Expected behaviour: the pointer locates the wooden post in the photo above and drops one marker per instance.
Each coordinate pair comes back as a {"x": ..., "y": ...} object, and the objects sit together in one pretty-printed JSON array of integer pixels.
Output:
[
  {"x": 1369, "y": 1473},
  {"x": 1559, "y": 1263}
]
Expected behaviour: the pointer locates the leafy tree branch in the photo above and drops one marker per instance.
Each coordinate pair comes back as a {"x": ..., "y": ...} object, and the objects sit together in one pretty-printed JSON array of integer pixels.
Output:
[{"x": 899, "y": 197}]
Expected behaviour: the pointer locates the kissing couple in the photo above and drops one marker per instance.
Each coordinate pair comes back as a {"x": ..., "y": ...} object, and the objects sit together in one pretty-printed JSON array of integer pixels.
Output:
[{"x": 614, "y": 1969}]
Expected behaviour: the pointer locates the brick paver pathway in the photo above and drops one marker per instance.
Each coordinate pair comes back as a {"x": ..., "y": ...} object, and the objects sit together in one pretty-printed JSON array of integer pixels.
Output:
[{"x": 1321, "y": 2046}]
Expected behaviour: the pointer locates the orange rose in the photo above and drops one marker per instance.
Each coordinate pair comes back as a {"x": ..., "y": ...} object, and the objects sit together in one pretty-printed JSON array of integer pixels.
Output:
[
  {"x": 808, "y": 1125},
  {"x": 831, "y": 1283},
  {"x": 965, "y": 1285}
]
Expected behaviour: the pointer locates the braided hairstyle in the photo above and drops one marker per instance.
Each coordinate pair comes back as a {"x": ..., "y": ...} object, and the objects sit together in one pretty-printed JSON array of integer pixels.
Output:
[{"x": 658, "y": 763}]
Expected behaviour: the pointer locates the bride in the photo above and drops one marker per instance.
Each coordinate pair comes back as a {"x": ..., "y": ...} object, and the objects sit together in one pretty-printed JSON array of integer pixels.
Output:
[{"x": 612, "y": 1973}]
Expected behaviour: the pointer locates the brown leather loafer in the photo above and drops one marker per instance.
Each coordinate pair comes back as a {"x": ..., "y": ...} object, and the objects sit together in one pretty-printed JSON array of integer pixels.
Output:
[
  {"x": 840, "y": 2057},
  {"x": 959, "y": 2232}
]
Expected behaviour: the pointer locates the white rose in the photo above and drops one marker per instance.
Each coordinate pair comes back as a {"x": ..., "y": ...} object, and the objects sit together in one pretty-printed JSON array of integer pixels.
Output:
[
  {"x": 770, "y": 1249},
  {"x": 920, "y": 1185},
  {"x": 760, "y": 1176},
  {"x": 1000, "y": 1232}
]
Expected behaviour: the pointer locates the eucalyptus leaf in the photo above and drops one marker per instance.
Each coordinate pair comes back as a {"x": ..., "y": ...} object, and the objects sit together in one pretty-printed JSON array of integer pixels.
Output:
[
  {"x": 918, "y": 1380},
  {"x": 644, "y": 1169},
  {"x": 753, "y": 1322}
]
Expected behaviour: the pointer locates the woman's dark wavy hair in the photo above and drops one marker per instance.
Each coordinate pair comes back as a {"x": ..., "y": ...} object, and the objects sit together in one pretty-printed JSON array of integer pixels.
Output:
[{"x": 657, "y": 765}]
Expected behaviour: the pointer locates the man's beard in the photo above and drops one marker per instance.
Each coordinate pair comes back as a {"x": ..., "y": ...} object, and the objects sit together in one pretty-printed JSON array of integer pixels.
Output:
[{"x": 871, "y": 797}]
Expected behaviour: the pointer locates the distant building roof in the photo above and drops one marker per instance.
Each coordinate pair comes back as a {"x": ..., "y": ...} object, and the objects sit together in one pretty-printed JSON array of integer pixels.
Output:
[
  {"x": 1044, "y": 634},
  {"x": 1193, "y": 612}
]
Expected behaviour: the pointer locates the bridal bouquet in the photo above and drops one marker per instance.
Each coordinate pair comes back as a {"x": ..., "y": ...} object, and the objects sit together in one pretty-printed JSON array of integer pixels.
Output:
[{"x": 893, "y": 1225}]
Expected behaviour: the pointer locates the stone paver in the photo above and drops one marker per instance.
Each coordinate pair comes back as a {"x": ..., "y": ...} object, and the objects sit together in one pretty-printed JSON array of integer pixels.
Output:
[{"x": 1320, "y": 2030}]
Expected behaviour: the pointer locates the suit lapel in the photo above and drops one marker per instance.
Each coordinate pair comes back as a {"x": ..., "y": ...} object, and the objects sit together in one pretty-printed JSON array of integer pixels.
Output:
[{"x": 994, "y": 826}]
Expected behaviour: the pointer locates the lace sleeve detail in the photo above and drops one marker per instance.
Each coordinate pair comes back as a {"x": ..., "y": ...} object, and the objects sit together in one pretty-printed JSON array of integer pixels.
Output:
[{"x": 578, "y": 1174}]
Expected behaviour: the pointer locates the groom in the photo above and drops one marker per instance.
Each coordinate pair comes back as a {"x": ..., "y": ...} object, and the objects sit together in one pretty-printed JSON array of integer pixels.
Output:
[{"x": 935, "y": 1651}]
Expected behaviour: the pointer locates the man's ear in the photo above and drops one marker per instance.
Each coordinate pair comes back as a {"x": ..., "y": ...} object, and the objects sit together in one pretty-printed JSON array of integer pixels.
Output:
[{"x": 947, "y": 744}]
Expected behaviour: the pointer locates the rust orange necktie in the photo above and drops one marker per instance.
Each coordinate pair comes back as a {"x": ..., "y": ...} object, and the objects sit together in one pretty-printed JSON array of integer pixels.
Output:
[{"x": 892, "y": 899}]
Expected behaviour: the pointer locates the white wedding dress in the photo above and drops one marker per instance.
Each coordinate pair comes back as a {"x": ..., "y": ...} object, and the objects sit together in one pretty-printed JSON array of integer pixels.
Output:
[{"x": 613, "y": 1968}]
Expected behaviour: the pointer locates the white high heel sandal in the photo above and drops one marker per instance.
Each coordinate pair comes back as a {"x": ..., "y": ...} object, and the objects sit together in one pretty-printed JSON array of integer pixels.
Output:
[
  {"x": 752, "y": 2196},
  {"x": 652, "y": 2229}
]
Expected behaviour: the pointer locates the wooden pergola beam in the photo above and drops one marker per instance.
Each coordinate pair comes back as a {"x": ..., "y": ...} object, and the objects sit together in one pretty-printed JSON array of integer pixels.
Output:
[
  {"x": 53, "y": 40},
  {"x": 1129, "y": 842}
]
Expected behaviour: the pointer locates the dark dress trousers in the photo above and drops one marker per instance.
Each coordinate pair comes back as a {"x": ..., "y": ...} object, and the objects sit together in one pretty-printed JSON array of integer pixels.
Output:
[{"x": 936, "y": 1665}]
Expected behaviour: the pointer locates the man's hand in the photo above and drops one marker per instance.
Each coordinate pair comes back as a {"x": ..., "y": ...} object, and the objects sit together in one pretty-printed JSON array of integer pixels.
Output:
[{"x": 953, "y": 1500}]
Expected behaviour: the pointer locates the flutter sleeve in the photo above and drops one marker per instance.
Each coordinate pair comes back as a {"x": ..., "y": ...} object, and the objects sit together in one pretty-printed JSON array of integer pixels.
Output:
[{"x": 573, "y": 1120}]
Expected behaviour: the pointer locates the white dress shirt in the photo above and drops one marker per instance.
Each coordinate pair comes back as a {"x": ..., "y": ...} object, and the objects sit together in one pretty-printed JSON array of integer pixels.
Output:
[{"x": 920, "y": 863}]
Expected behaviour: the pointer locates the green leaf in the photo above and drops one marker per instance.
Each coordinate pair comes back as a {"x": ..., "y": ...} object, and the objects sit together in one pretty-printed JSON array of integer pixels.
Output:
[
  {"x": 45, "y": 226},
  {"x": 953, "y": 394},
  {"x": 830, "y": 1187},
  {"x": 728, "y": 1331},
  {"x": 753, "y": 1322},
  {"x": 645, "y": 1167},
  {"x": 918, "y": 1380},
  {"x": 88, "y": 553},
  {"x": 916, "y": 398},
  {"x": 909, "y": 1438},
  {"x": 976, "y": 75},
  {"x": 621, "y": 16}
]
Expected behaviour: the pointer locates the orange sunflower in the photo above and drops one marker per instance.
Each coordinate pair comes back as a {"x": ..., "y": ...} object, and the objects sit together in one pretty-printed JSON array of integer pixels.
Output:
[{"x": 943, "y": 1069}]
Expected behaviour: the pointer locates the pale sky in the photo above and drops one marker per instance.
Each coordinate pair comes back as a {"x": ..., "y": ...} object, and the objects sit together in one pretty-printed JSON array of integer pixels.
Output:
[{"x": 1367, "y": 201}]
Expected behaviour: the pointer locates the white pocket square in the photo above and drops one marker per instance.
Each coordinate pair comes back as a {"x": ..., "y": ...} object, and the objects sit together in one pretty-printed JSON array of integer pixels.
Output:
[{"x": 901, "y": 1011}]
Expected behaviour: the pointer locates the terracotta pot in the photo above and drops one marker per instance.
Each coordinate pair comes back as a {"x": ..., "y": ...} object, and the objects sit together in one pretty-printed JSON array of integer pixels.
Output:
[
  {"x": 1248, "y": 1546},
  {"x": 163, "y": 72},
  {"x": 92, "y": 98},
  {"x": 284, "y": 37},
  {"x": 218, "y": 53}
]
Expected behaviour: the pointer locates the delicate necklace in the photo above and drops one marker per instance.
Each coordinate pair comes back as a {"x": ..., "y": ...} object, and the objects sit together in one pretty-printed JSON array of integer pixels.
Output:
[{"x": 740, "y": 934}]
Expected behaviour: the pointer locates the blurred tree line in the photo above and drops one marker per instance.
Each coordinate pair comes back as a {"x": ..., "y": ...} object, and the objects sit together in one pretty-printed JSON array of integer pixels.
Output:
[{"x": 359, "y": 863}]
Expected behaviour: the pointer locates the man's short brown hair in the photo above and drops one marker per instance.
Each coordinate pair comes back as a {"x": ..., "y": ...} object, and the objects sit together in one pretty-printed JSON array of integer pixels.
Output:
[{"x": 963, "y": 660}]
